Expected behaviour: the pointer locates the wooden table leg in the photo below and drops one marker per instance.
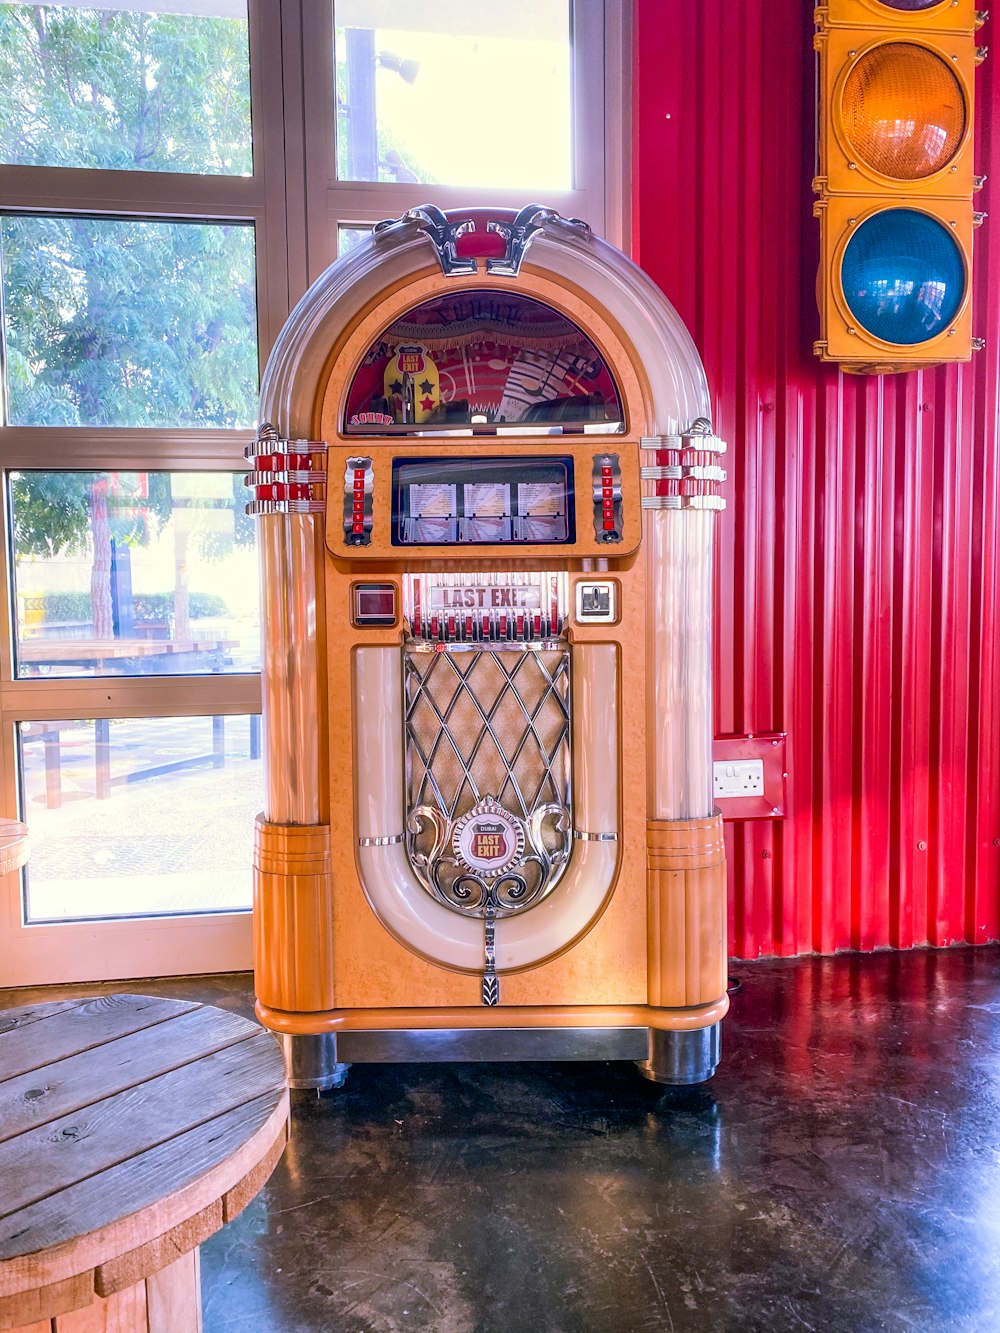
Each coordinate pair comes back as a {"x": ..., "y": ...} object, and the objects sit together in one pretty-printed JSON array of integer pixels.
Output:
[
  {"x": 173, "y": 1295},
  {"x": 166, "y": 1302},
  {"x": 124, "y": 1312}
]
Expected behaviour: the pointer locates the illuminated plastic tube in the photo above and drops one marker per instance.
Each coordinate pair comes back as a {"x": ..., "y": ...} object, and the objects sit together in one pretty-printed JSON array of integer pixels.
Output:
[
  {"x": 288, "y": 545},
  {"x": 396, "y": 895},
  {"x": 679, "y": 662}
]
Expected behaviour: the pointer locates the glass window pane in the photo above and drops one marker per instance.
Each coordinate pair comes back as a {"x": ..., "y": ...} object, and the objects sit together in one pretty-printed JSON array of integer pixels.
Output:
[
  {"x": 133, "y": 574},
  {"x": 131, "y": 87},
  {"x": 349, "y": 237},
  {"x": 139, "y": 816},
  {"x": 124, "y": 323},
  {"x": 429, "y": 98}
]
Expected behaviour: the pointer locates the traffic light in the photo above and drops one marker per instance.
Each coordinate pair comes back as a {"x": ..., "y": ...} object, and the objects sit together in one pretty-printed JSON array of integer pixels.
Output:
[{"x": 896, "y": 183}]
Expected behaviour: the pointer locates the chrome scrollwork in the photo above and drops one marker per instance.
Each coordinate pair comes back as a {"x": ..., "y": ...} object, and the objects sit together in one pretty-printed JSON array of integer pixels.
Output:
[
  {"x": 474, "y": 889},
  {"x": 518, "y": 235},
  {"x": 541, "y": 845},
  {"x": 444, "y": 235}
]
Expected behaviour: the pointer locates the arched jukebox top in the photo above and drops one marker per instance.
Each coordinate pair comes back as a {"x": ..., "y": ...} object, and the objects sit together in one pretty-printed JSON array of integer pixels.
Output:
[{"x": 621, "y": 359}]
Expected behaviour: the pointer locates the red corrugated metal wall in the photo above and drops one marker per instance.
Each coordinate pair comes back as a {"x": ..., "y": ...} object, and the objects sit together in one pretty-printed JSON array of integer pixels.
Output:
[{"x": 858, "y": 596}]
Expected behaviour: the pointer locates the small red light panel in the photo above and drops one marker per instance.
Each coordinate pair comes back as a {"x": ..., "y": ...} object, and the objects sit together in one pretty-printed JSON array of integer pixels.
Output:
[
  {"x": 359, "y": 479},
  {"x": 374, "y": 604},
  {"x": 607, "y": 488}
]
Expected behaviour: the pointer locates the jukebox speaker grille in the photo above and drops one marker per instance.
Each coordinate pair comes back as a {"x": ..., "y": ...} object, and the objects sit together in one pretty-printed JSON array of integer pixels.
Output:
[{"x": 488, "y": 771}]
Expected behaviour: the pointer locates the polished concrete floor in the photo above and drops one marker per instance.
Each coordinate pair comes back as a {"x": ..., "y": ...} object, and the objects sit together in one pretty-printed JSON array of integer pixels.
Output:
[{"x": 840, "y": 1173}]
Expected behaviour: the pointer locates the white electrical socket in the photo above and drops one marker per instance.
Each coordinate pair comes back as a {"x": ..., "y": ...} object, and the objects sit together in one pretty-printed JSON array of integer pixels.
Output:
[{"x": 739, "y": 777}]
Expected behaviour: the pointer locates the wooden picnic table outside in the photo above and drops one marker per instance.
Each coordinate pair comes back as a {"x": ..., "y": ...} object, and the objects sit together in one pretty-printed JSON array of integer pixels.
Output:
[
  {"x": 51, "y": 737},
  {"x": 131, "y": 1129},
  {"x": 94, "y": 652}
]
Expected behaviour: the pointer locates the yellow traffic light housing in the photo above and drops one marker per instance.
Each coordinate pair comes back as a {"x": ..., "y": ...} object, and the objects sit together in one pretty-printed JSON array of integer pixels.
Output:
[
  {"x": 904, "y": 15},
  {"x": 895, "y": 182}
]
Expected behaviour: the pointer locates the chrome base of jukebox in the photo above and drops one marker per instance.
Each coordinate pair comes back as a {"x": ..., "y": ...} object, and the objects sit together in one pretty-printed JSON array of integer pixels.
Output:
[
  {"x": 322, "y": 1060},
  {"x": 311, "y": 1061},
  {"x": 679, "y": 1059}
]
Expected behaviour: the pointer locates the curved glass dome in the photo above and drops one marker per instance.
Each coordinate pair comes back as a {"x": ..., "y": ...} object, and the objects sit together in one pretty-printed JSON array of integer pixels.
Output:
[
  {"x": 492, "y": 362},
  {"x": 903, "y": 276}
]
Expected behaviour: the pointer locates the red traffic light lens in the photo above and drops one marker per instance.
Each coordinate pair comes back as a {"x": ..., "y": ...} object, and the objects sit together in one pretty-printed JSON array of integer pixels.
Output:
[{"x": 904, "y": 111}]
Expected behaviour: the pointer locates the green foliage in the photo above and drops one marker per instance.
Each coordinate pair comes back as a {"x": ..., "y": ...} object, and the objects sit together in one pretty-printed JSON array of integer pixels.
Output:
[
  {"x": 123, "y": 90},
  {"x": 114, "y": 323},
  {"x": 51, "y": 512},
  {"x": 76, "y": 607},
  {"x": 117, "y": 323}
]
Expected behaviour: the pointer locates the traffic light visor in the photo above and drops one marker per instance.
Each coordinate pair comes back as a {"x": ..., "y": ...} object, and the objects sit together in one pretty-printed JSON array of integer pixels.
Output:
[
  {"x": 904, "y": 111},
  {"x": 903, "y": 276}
]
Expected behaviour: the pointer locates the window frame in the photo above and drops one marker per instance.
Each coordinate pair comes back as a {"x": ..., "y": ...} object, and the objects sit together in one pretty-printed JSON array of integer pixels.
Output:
[
  {"x": 36, "y": 954},
  {"x": 295, "y": 204},
  {"x": 600, "y": 33}
]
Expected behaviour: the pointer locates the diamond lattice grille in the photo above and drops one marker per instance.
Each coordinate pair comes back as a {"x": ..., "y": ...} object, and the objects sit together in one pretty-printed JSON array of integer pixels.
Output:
[{"x": 488, "y": 722}]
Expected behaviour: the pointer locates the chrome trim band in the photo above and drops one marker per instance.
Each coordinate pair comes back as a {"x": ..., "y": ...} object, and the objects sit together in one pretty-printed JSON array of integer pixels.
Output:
[
  {"x": 680, "y": 471},
  {"x": 594, "y": 837},
  {"x": 682, "y": 502},
  {"x": 262, "y": 447},
  {"x": 406, "y": 1045},
  {"x": 295, "y": 476},
  {"x": 255, "y": 508},
  {"x": 709, "y": 444},
  {"x": 381, "y": 842}
]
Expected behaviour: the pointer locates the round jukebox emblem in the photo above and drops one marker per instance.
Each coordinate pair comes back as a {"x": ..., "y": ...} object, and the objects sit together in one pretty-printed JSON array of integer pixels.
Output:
[{"x": 488, "y": 839}]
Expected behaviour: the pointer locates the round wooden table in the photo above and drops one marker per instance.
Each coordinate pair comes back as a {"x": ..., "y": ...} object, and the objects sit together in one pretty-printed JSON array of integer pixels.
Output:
[{"x": 131, "y": 1129}]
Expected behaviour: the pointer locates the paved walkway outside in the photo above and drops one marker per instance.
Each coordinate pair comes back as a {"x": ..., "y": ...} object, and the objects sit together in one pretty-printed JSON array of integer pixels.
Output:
[{"x": 179, "y": 841}]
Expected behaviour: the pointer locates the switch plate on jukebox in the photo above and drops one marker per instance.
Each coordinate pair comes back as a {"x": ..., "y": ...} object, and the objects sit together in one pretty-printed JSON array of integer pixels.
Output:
[{"x": 486, "y": 499}]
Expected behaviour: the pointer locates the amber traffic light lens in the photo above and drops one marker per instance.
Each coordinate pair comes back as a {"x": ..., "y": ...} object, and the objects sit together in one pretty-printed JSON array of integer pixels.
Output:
[{"x": 904, "y": 111}]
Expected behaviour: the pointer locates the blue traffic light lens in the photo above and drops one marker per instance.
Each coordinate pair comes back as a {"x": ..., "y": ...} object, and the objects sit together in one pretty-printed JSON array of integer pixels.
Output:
[{"x": 903, "y": 276}]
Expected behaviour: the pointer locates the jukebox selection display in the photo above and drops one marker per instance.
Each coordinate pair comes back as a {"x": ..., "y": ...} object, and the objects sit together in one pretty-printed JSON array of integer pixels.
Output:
[
  {"x": 489, "y": 830},
  {"x": 488, "y": 502}
]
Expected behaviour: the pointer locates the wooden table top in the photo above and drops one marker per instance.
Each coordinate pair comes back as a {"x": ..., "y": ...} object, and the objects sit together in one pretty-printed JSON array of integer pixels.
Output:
[
  {"x": 13, "y": 845},
  {"x": 131, "y": 1129}
]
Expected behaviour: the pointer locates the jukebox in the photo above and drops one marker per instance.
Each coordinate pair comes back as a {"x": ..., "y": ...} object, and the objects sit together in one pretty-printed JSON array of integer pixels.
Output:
[{"x": 486, "y": 498}]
